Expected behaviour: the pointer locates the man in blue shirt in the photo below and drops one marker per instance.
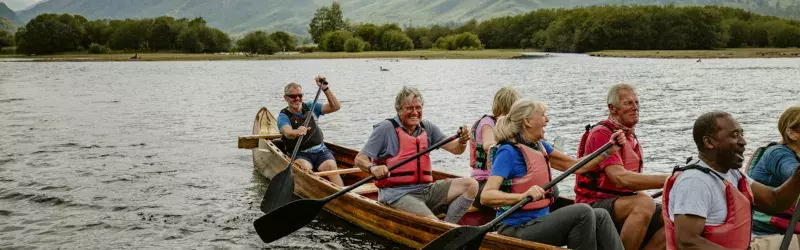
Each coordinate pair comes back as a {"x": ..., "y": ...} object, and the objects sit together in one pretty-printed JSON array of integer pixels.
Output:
[{"x": 312, "y": 154}]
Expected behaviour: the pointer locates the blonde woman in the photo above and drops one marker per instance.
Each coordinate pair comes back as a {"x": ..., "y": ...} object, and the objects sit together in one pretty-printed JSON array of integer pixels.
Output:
[
  {"x": 483, "y": 138},
  {"x": 521, "y": 166}
]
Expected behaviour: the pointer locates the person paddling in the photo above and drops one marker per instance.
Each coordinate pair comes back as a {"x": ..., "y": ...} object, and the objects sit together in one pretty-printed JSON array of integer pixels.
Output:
[
  {"x": 616, "y": 184},
  {"x": 313, "y": 155},
  {"x": 483, "y": 138},
  {"x": 411, "y": 187},
  {"x": 708, "y": 203},
  {"x": 521, "y": 166},
  {"x": 774, "y": 167}
]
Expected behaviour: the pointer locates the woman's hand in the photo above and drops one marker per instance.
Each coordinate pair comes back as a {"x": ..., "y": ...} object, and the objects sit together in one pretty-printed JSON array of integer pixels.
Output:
[{"x": 535, "y": 192}]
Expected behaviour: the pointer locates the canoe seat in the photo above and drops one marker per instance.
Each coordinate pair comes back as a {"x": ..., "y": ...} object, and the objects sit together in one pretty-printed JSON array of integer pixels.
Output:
[
  {"x": 339, "y": 171},
  {"x": 470, "y": 210},
  {"x": 366, "y": 189}
]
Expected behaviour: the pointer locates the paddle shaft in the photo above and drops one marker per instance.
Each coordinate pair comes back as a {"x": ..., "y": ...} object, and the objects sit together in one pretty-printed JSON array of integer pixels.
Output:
[
  {"x": 549, "y": 185},
  {"x": 787, "y": 237},
  {"x": 396, "y": 165},
  {"x": 305, "y": 124},
  {"x": 658, "y": 194}
]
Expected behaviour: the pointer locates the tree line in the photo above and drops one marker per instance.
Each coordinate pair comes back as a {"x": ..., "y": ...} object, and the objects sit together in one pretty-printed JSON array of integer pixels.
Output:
[{"x": 584, "y": 29}]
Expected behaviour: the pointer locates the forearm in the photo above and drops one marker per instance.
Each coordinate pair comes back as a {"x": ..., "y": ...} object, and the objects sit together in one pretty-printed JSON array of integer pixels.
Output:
[
  {"x": 786, "y": 195},
  {"x": 363, "y": 162},
  {"x": 289, "y": 132},
  {"x": 698, "y": 243},
  {"x": 332, "y": 101},
  {"x": 455, "y": 147},
  {"x": 637, "y": 181},
  {"x": 497, "y": 198}
]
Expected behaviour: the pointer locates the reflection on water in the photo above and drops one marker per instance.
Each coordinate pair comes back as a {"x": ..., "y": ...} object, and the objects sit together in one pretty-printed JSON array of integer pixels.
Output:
[{"x": 143, "y": 155}]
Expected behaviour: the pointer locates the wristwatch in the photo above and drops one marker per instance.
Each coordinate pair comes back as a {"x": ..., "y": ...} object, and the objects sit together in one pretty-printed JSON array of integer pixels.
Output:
[{"x": 605, "y": 155}]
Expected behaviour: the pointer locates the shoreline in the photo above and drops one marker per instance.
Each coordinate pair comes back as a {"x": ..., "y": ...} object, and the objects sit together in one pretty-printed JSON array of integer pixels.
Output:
[
  {"x": 169, "y": 56},
  {"x": 702, "y": 54}
]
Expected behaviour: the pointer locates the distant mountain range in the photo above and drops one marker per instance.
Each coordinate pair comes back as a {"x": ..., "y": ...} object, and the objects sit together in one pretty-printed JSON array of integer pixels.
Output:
[
  {"x": 238, "y": 16},
  {"x": 9, "y": 14}
]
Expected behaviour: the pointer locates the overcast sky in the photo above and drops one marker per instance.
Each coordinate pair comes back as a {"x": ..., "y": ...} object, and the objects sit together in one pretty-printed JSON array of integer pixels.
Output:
[{"x": 16, "y": 5}]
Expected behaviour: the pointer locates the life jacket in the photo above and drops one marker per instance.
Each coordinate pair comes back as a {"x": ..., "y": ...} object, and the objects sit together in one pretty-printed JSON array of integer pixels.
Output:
[
  {"x": 595, "y": 183},
  {"x": 313, "y": 136},
  {"x": 478, "y": 157},
  {"x": 538, "y": 173},
  {"x": 735, "y": 232},
  {"x": 413, "y": 172},
  {"x": 780, "y": 220}
]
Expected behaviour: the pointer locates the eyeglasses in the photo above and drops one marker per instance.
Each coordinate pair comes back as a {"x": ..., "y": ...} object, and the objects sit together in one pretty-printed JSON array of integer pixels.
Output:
[{"x": 295, "y": 96}]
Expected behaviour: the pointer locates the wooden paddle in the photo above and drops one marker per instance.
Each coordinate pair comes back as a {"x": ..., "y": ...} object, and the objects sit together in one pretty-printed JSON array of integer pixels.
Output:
[
  {"x": 297, "y": 214},
  {"x": 251, "y": 141},
  {"x": 470, "y": 237},
  {"x": 281, "y": 187},
  {"x": 787, "y": 237}
]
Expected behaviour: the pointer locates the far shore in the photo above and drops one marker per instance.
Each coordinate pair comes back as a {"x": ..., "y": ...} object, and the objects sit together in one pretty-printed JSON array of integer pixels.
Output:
[
  {"x": 698, "y": 54},
  {"x": 167, "y": 56}
]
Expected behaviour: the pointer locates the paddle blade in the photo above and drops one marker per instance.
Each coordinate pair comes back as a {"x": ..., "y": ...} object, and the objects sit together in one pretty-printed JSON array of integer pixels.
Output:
[
  {"x": 279, "y": 192},
  {"x": 458, "y": 238},
  {"x": 287, "y": 219}
]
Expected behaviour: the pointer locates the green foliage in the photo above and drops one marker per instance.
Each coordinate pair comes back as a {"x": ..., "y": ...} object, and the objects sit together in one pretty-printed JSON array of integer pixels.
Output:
[
  {"x": 367, "y": 32},
  {"x": 393, "y": 40},
  {"x": 51, "y": 33},
  {"x": 326, "y": 20},
  {"x": 8, "y": 50},
  {"x": 6, "y": 39},
  {"x": 307, "y": 48},
  {"x": 354, "y": 44},
  {"x": 334, "y": 41},
  {"x": 463, "y": 41},
  {"x": 97, "y": 49},
  {"x": 284, "y": 40},
  {"x": 130, "y": 34},
  {"x": 257, "y": 42}
]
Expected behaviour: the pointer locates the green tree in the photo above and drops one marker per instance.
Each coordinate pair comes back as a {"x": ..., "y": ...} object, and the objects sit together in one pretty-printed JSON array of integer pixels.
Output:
[
  {"x": 354, "y": 44},
  {"x": 51, "y": 33},
  {"x": 6, "y": 39},
  {"x": 164, "y": 33},
  {"x": 131, "y": 34},
  {"x": 393, "y": 40},
  {"x": 326, "y": 20},
  {"x": 98, "y": 31},
  {"x": 334, "y": 41},
  {"x": 285, "y": 41},
  {"x": 257, "y": 42},
  {"x": 367, "y": 32}
]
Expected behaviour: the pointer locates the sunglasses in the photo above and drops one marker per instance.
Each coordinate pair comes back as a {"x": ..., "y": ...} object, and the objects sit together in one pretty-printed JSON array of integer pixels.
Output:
[{"x": 295, "y": 96}]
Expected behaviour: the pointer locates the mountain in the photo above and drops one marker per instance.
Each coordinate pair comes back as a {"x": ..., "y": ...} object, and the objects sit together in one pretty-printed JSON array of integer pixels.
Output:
[
  {"x": 19, "y": 4},
  {"x": 9, "y": 14},
  {"x": 6, "y": 25},
  {"x": 238, "y": 16}
]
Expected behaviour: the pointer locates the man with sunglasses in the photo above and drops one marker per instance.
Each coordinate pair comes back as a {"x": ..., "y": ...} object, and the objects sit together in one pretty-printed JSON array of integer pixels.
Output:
[{"x": 312, "y": 154}]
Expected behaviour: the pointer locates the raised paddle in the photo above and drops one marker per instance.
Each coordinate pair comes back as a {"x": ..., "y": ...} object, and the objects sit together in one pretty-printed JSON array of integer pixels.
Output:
[
  {"x": 787, "y": 237},
  {"x": 470, "y": 237},
  {"x": 657, "y": 194},
  {"x": 280, "y": 189},
  {"x": 297, "y": 214}
]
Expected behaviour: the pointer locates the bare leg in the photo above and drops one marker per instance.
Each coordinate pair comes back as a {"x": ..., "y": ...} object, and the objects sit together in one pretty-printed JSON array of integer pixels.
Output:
[
  {"x": 466, "y": 186},
  {"x": 328, "y": 166},
  {"x": 634, "y": 213}
]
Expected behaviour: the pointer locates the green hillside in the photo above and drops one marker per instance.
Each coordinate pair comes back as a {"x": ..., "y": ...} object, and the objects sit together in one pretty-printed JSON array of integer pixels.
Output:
[
  {"x": 6, "y": 24},
  {"x": 238, "y": 16},
  {"x": 8, "y": 14}
]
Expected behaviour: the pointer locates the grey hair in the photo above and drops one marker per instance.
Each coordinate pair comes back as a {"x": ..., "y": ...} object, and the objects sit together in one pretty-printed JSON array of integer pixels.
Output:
[
  {"x": 407, "y": 93},
  {"x": 613, "y": 93},
  {"x": 290, "y": 86}
]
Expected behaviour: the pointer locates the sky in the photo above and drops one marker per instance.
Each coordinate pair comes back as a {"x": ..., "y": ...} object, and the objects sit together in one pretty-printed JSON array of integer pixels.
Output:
[{"x": 17, "y": 5}]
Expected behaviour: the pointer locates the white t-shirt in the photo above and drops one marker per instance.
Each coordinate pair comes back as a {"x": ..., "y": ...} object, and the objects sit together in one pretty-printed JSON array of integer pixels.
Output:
[{"x": 701, "y": 194}]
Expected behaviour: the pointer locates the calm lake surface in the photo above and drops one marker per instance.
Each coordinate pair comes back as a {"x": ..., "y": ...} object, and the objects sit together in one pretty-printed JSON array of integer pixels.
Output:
[{"x": 143, "y": 154}]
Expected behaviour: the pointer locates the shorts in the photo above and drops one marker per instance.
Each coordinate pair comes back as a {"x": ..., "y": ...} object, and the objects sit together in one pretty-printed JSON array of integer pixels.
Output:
[
  {"x": 316, "y": 158},
  {"x": 477, "y": 202},
  {"x": 427, "y": 202},
  {"x": 655, "y": 222}
]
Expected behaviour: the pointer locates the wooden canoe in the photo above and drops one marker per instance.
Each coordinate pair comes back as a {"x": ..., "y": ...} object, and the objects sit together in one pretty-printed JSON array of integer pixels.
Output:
[{"x": 360, "y": 206}]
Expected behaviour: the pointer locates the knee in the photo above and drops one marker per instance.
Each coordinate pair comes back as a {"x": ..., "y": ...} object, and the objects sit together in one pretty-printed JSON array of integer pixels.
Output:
[
  {"x": 582, "y": 210},
  {"x": 328, "y": 166},
  {"x": 472, "y": 187},
  {"x": 601, "y": 214},
  {"x": 644, "y": 206}
]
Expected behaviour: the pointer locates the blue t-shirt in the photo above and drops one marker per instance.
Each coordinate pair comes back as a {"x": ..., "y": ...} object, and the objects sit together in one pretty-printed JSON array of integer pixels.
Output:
[
  {"x": 773, "y": 169},
  {"x": 283, "y": 120},
  {"x": 509, "y": 163}
]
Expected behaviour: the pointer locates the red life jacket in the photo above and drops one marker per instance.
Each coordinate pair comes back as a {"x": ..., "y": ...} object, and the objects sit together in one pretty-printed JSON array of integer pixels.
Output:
[
  {"x": 735, "y": 232},
  {"x": 413, "y": 172},
  {"x": 594, "y": 184},
  {"x": 780, "y": 220},
  {"x": 477, "y": 155},
  {"x": 538, "y": 165}
]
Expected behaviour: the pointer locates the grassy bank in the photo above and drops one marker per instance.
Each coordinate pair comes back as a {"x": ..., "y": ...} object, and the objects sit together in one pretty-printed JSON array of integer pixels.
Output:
[
  {"x": 721, "y": 53},
  {"x": 416, "y": 54}
]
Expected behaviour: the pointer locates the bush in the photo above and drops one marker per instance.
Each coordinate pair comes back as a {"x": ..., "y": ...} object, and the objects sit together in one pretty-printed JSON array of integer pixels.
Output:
[
  {"x": 8, "y": 50},
  {"x": 306, "y": 48},
  {"x": 334, "y": 41},
  {"x": 257, "y": 42},
  {"x": 463, "y": 41},
  {"x": 393, "y": 40},
  {"x": 445, "y": 42},
  {"x": 97, "y": 49},
  {"x": 354, "y": 44}
]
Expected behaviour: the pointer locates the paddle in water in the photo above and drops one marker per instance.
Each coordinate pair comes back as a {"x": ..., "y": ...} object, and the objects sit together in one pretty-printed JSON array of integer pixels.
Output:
[
  {"x": 297, "y": 214},
  {"x": 281, "y": 187},
  {"x": 470, "y": 237}
]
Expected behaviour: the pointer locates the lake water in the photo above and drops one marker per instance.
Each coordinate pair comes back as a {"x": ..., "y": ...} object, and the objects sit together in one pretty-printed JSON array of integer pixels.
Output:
[{"x": 101, "y": 155}]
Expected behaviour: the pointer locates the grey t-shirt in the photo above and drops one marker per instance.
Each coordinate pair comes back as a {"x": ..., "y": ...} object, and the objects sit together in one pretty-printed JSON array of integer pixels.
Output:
[
  {"x": 383, "y": 143},
  {"x": 701, "y": 194}
]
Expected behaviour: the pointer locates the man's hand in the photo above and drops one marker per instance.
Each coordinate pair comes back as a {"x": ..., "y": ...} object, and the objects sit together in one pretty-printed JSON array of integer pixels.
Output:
[
  {"x": 379, "y": 171},
  {"x": 321, "y": 81},
  {"x": 618, "y": 139},
  {"x": 464, "y": 137},
  {"x": 302, "y": 130}
]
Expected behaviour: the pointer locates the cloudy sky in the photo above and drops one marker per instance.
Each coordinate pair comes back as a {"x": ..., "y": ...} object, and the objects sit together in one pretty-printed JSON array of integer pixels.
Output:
[{"x": 19, "y": 4}]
